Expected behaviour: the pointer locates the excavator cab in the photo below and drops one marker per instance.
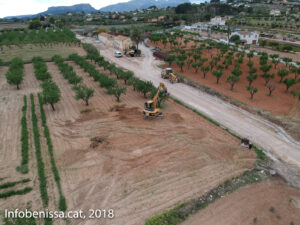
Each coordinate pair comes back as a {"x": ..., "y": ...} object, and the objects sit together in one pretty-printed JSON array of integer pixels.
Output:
[
  {"x": 168, "y": 74},
  {"x": 169, "y": 70}
]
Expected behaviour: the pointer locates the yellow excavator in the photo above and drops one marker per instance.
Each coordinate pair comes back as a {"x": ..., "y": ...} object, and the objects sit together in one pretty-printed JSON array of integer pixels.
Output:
[
  {"x": 150, "y": 110},
  {"x": 168, "y": 74},
  {"x": 129, "y": 52}
]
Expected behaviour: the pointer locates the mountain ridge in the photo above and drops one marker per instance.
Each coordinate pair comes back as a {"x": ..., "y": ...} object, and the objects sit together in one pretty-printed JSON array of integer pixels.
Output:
[
  {"x": 141, "y": 4},
  {"x": 85, "y": 7}
]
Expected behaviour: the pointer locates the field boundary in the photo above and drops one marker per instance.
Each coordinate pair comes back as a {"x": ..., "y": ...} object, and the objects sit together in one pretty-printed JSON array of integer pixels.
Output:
[{"x": 181, "y": 212}]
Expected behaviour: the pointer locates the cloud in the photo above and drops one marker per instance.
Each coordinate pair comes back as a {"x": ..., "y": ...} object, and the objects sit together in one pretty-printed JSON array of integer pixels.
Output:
[{"x": 24, "y": 7}]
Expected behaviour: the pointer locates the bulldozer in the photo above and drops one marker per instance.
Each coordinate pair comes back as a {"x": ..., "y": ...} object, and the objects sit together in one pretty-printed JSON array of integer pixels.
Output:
[
  {"x": 151, "y": 111},
  {"x": 168, "y": 74}
]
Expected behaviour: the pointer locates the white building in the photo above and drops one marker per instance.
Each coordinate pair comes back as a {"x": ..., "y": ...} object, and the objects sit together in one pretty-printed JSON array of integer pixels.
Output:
[
  {"x": 275, "y": 12},
  {"x": 247, "y": 37},
  {"x": 218, "y": 21}
]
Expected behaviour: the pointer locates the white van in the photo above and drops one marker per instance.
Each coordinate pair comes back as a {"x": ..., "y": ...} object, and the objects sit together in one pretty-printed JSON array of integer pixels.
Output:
[{"x": 118, "y": 54}]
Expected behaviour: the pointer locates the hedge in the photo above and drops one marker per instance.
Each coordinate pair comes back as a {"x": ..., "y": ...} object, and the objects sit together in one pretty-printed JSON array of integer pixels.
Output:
[
  {"x": 24, "y": 140},
  {"x": 13, "y": 192},
  {"x": 11, "y": 184},
  {"x": 39, "y": 159},
  {"x": 62, "y": 200}
]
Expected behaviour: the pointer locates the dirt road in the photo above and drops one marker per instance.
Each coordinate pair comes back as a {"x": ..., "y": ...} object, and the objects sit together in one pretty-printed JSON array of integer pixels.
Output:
[{"x": 273, "y": 139}]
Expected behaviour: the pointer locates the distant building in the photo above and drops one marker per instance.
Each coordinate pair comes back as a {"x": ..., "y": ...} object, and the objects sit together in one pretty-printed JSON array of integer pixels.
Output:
[
  {"x": 119, "y": 42},
  {"x": 218, "y": 21},
  {"x": 275, "y": 12},
  {"x": 247, "y": 37}
]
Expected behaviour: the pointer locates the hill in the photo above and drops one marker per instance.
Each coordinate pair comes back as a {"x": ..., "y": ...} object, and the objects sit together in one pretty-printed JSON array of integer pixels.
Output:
[
  {"x": 87, "y": 8},
  {"x": 141, "y": 4}
]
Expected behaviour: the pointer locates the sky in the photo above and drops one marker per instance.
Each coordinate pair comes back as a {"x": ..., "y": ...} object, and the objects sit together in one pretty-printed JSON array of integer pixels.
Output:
[{"x": 24, "y": 7}]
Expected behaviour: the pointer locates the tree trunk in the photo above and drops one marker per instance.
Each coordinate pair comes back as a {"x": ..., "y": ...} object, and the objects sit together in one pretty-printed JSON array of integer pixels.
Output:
[
  {"x": 86, "y": 102},
  {"x": 204, "y": 75},
  {"x": 218, "y": 80},
  {"x": 270, "y": 92},
  {"x": 232, "y": 85},
  {"x": 18, "y": 87},
  {"x": 251, "y": 93},
  {"x": 52, "y": 106},
  {"x": 118, "y": 98}
]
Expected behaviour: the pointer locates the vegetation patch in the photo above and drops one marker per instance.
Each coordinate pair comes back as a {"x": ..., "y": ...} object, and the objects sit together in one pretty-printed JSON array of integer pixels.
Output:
[
  {"x": 15, "y": 72},
  {"x": 181, "y": 212},
  {"x": 13, "y": 192},
  {"x": 23, "y": 168},
  {"x": 40, "y": 36},
  {"x": 39, "y": 159},
  {"x": 11, "y": 184},
  {"x": 62, "y": 199}
]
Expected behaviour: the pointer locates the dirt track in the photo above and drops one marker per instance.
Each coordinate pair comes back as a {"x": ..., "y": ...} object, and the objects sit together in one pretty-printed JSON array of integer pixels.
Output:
[
  {"x": 264, "y": 134},
  {"x": 270, "y": 202}
]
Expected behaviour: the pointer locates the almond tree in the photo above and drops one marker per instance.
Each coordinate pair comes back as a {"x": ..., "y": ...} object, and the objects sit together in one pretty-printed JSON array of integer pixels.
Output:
[
  {"x": 282, "y": 73},
  {"x": 275, "y": 60},
  {"x": 204, "y": 70},
  {"x": 218, "y": 75},
  {"x": 50, "y": 93},
  {"x": 287, "y": 61},
  {"x": 271, "y": 86},
  {"x": 289, "y": 83},
  {"x": 252, "y": 90},
  {"x": 232, "y": 80},
  {"x": 250, "y": 55},
  {"x": 83, "y": 92}
]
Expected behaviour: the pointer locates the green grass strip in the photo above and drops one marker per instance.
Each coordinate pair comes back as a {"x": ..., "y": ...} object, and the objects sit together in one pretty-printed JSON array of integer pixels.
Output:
[
  {"x": 11, "y": 184},
  {"x": 24, "y": 140},
  {"x": 180, "y": 213},
  {"x": 39, "y": 159},
  {"x": 62, "y": 199},
  {"x": 18, "y": 192}
]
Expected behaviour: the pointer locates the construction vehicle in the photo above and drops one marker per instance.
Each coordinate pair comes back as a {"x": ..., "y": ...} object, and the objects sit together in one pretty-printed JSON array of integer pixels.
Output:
[
  {"x": 129, "y": 52},
  {"x": 168, "y": 74},
  {"x": 151, "y": 111}
]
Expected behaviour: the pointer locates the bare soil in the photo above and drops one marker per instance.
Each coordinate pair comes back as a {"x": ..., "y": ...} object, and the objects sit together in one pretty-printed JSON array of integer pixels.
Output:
[
  {"x": 142, "y": 167},
  {"x": 268, "y": 203},
  {"x": 11, "y": 103}
]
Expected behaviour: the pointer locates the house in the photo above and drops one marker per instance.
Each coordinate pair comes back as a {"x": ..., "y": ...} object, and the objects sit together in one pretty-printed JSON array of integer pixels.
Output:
[
  {"x": 247, "y": 37},
  {"x": 106, "y": 38},
  {"x": 122, "y": 42},
  {"x": 160, "y": 18},
  {"x": 153, "y": 20},
  {"x": 218, "y": 21},
  {"x": 275, "y": 12}
]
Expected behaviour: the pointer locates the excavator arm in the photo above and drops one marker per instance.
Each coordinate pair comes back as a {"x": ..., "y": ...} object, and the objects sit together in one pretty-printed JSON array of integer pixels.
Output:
[{"x": 161, "y": 86}]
